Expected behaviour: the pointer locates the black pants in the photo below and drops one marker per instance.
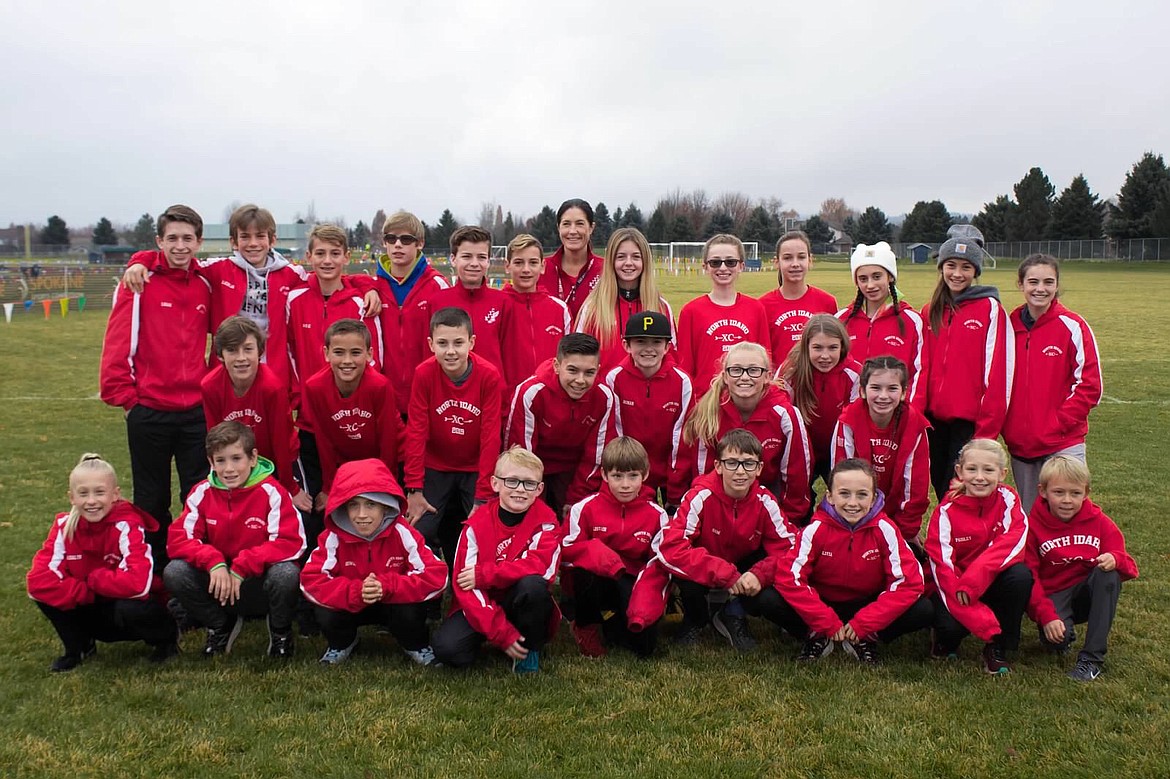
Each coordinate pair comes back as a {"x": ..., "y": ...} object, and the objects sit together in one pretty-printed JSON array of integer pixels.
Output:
[
  {"x": 111, "y": 620},
  {"x": 919, "y": 616},
  {"x": 596, "y": 594},
  {"x": 528, "y": 606},
  {"x": 556, "y": 491},
  {"x": 156, "y": 438},
  {"x": 407, "y": 622},
  {"x": 1007, "y": 597},
  {"x": 308, "y": 473},
  {"x": 946, "y": 438},
  {"x": 275, "y": 594},
  {"x": 697, "y": 603},
  {"x": 452, "y": 493},
  {"x": 1093, "y": 601}
]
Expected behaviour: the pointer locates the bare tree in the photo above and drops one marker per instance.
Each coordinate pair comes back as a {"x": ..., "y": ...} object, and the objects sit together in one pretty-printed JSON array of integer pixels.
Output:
[
  {"x": 835, "y": 211},
  {"x": 487, "y": 215},
  {"x": 230, "y": 209},
  {"x": 377, "y": 224},
  {"x": 737, "y": 205}
]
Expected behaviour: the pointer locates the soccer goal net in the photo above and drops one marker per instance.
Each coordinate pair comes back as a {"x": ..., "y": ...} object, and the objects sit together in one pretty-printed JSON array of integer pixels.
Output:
[{"x": 683, "y": 256}]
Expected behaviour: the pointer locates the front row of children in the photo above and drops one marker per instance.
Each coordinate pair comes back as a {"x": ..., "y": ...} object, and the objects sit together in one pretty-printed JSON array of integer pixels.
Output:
[{"x": 847, "y": 579}]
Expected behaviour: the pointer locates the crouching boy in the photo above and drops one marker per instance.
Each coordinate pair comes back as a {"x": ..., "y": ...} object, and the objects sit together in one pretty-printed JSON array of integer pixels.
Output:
[
  {"x": 505, "y": 563},
  {"x": 234, "y": 548},
  {"x": 371, "y": 568}
]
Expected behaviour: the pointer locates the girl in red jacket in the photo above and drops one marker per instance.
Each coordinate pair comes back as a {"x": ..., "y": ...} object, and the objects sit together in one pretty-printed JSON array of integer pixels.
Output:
[
  {"x": 93, "y": 576},
  {"x": 881, "y": 322},
  {"x": 1057, "y": 381},
  {"x": 883, "y": 429},
  {"x": 976, "y": 549},
  {"x": 851, "y": 576},
  {"x": 743, "y": 397},
  {"x": 626, "y": 286},
  {"x": 821, "y": 379},
  {"x": 1077, "y": 555},
  {"x": 792, "y": 303},
  {"x": 371, "y": 567},
  {"x": 971, "y": 357}
]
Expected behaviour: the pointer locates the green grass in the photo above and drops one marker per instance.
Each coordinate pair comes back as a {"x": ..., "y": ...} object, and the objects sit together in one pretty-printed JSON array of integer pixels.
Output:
[{"x": 700, "y": 712}]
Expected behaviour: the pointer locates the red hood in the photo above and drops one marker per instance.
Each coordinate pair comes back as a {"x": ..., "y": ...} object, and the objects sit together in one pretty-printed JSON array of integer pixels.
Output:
[{"x": 359, "y": 477}]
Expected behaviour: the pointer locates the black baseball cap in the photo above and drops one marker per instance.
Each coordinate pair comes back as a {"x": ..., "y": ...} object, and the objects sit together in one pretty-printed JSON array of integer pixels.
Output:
[{"x": 648, "y": 324}]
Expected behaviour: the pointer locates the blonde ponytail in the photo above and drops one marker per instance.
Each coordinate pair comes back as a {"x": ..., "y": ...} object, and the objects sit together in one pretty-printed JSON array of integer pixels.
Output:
[{"x": 88, "y": 462}]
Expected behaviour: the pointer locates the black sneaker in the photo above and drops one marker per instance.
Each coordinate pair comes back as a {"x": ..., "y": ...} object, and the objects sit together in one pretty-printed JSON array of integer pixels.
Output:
[
  {"x": 688, "y": 634},
  {"x": 280, "y": 643},
  {"x": 994, "y": 660},
  {"x": 815, "y": 647},
  {"x": 219, "y": 642},
  {"x": 866, "y": 652},
  {"x": 735, "y": 630},
  {"x": 1086, "y": 670},
  {"x": 181, "y": 616},
  {"x": 69, "y": 661}
]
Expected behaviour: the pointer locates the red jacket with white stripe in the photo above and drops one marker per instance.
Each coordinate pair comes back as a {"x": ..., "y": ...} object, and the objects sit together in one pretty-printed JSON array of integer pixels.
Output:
[
  {"x": 567, "y": 435},
  {"x": 972, "y": 360},
  {"x": 970, "y": 542},
  {"x": 706, "y": 330},
  {"x": 539, "y": 322},
  {"x": 835, "y": 562},
  {"x": 712, "y": 531},
  {"x": 1057, "y": 383},
  {"x": 249, "y": 528},
  {"x": 155, "y": 348},
  {"x": 787, "y": 461},
  {"x": 397, "y": 367},
  {"x": 229, "y": 287},
  {"x": 264, "y": 408},
  {"x": 491, "y": 321},
  {"x": 833, "y": 392},
  {"x": 1063, "y": 554},
  {"x": 897, "y": 332},
  {"x": 612, "y": 351},
  {"x": 899, "y": 454},
  {"x": 572, "y": 291},
  {"x": 609, "y": 538},
  {"x": 454, "y": 428},
  {"x": 363, "y": 425},
  {"x": 502, "y": 556},
  {"x": 105, "y": 559},
  {"x": 787, "y": 318},
  {"x": 653, "y": 411},
  {"x": 395, "y": 554}
]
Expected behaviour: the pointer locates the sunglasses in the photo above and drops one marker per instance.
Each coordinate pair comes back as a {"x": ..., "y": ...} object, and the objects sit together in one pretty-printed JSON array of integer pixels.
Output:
[
  {"x": 406, "y": 238},
  {"x": 722, "y": 263}
]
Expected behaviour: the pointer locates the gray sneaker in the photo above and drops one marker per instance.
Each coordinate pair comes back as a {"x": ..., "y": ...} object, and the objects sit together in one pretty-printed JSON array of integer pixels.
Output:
[
  {"x": 337, "y": 656},
  {"x": 735, "y": 630},
  {"x": 1086, "y": 670}
]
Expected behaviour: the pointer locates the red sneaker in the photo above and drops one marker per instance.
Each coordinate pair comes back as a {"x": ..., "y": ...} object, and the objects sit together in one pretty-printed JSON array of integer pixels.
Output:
[{"x": 588, "y": 638}]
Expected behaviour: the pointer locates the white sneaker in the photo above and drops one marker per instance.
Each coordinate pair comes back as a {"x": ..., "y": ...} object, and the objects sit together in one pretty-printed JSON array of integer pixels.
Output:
[
  {"x": 335, "y": 656},
  {"x": 424, "y": 656}
]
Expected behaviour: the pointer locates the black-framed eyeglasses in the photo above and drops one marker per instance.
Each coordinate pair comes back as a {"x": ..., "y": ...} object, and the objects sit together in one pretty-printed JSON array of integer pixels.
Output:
[
  {"x": 511, "y": 482},
  {"x": 722, "y": 263},
  {"x": 748, "y": 466},
  {"x": 735, "y": 371},
  {"x": 406, "y": 238}
]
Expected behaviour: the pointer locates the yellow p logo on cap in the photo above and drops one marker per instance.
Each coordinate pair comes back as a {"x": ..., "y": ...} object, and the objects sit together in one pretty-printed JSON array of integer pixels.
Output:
[{"x": 646, "y": 322}]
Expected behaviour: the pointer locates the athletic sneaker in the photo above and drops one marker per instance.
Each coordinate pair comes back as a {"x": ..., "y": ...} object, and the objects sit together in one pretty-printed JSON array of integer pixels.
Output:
[
  {"x": 68, "y": 661},
  {"x": 181, "y": 616},
  {"x": 734, "y": 628},
  {"x": 424, "y": 656},
  {"x": 1086, "y": 670},
  {"x": 529, "y": 665},
  {"x": 688, "y": 633},
  {"x": 280, "y": 645},
  {"x": 939, "y": 651},
  {"x": 589, "y": 641},
  {"x": 994, "y": 661},
  {"x": 815, "y": 647},
  {"x": 1061, "y": 649},
  {"x": 219, "y": 642},
  {"x": 336, "y": 656},
  {"x": 866, "y": 652}
]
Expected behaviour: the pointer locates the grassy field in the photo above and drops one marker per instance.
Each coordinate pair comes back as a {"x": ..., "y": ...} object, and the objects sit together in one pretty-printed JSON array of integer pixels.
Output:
[{"x": 696, "y": 712}]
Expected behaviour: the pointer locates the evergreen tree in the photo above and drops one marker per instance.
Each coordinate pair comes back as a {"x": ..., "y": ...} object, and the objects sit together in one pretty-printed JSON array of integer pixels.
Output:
[
  {"x": 720, "y": 222},
  {"x": 927, "y": 222},
  {"x": 603, "y": 225},
  {"x": 440, "y": 234},
  {"x": 55, "y": 233},
  {"x": 1029, "y": 220},
  {"x": 1077, "y": 214},
  {"x": 359, "y": 236},
  {"x": 543, "y": 227},
  {"x": 761, "y": 226},
  {"x": 872, "y": 226},
  {"x": 142, "y": 237},
  {"x": 377, "y": 225},
  {"x": 1160, "y": 216},
  {"x": 993, "y": 220},
  {"x": 656, "y": 229},
  {"x": 104, "y": 233},
  {"x": 1138, "y": 198},
  {"x": 618, "y": 217},
  {"x": 509, "y": 228},
  {"x": 680, "y": 230},
  {"x": 820, "y": 235},
  {"x": 633, "y": 218},
  {"x": 849, "y": 227}
]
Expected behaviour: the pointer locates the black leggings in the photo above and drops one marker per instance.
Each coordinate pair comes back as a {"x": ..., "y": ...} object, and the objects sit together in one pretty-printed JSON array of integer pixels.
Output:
[
  {"x": 111, "y": 620},
  {"x": 946, "y": 438}
]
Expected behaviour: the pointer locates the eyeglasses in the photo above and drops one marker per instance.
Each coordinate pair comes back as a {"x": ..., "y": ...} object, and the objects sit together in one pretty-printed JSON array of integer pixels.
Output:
[
  {"x": 722, "y": 263},
  {"x": 748, "y": 466},
  {"x": 512, "y": 483},
  {"x": 406, "y": 238},
  {"x": 735, "y": 371}
]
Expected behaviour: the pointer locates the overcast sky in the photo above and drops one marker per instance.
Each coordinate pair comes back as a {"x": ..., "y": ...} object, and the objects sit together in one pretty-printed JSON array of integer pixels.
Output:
[{"x": 113, "y": 109}]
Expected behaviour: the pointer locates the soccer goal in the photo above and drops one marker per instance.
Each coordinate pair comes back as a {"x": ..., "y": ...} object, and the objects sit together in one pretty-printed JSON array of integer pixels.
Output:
[{"x": 687, "y": 256}]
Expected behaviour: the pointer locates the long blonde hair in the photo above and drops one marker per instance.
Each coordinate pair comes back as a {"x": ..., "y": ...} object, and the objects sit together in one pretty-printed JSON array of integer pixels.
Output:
[
  {"x": 989, "y": 445},
  {"x": 599, "y": 312},
  {"x": 88, "y": 462},
  {"x": 798, "y": 371},
  {"x": 703, "y": 422}
]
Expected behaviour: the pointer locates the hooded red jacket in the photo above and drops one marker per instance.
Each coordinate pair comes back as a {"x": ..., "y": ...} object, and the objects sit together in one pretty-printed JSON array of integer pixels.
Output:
[
  {"x": 396, "y": 554},
  {"x": 899, "y": 454},
  {"x": 712, "y": 531},
  {"x": 787, "y": 318},
  {"x": 539, "y": 322},
  {"x": 653, "y": 411},
  {"x": 248, "y": 528},
  {"x": 835, "y": 562},
  {"x": 833, "y": 392},
  {"x": 106, "y": 559},
  {"x": 970, "y": 542},
  {"x": 1057, "y": 383},
  {"x": 155, "y": 348},
  {"x": 501, "y": 556},
  {"x": 900, "y": 333},
  {"x": 1063, "y": 554},
  {"x": 567, "y": 435}
]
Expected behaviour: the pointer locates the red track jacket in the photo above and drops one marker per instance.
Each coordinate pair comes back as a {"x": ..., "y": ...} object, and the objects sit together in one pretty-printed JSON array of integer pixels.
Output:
[
  {"x": 834, "y": 391},
  {"x": 572, "y": 291},
  {"x": 396, "y": 364},
  {"x": 539, "y": 322},
  {"x": 786, "y": 318},
  {"x": 491, "y": 321},
  {"x": 900, "y": 334}
]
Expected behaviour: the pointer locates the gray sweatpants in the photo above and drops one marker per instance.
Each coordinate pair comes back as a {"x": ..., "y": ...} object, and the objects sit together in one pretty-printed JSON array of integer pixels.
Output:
[
  {"x": 275, "y": 594},
  {"x": 1026, "y": 474},
  {"x": 1093, "y": 601}
]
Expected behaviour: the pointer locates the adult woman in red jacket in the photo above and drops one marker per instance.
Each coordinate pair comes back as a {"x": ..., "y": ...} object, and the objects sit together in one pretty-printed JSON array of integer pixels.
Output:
[{"x": 572, "y": 271}]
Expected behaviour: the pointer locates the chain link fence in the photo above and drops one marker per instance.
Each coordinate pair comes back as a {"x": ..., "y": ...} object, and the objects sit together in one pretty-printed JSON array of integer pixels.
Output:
[{"x": 1126, "y": 250}]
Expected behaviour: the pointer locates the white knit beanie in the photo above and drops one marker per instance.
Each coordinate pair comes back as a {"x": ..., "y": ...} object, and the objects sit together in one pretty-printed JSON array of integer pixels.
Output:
[{"x": 880, "y": 254}]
